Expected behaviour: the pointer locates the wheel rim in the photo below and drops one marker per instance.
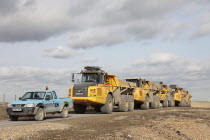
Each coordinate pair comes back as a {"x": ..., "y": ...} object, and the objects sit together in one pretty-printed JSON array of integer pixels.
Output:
[
  {"x": 126, "y": 103},
  {"x": 110, "y": 104},
  {"x": 41, "y": 114},
  {"x": 66, "y": 112}
]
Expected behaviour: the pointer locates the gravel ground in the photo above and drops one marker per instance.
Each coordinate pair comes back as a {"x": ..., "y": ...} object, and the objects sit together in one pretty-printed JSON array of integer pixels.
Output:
[
  {"x": 161, "y": 124},
  {"x": 3, "y": 114}
]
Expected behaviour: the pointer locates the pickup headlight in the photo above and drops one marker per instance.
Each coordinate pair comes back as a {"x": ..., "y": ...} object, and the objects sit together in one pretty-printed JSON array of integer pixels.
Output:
[
  {"x": 9, "y": 105},
  {"x": 30, "y": 105}
]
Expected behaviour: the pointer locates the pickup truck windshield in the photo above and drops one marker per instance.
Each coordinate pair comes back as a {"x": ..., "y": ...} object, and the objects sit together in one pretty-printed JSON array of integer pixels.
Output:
[{"x": 33, "y": 95}]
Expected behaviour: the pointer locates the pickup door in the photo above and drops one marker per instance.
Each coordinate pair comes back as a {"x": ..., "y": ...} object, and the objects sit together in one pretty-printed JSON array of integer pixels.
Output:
[
  {"x": 50, "y": 104},
  {"x": 57, "y": 102}
]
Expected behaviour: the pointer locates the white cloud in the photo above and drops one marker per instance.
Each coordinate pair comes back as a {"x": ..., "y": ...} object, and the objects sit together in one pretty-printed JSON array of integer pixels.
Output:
[
  {"x": 93, "y": 23},
  {"x": 61, "y": 53},
  {"x": 203, "y": 30},
  {"x": 89, "y": 60},
  {"x": 18, "y": 80},
  {"x": 157, "y": 58}
]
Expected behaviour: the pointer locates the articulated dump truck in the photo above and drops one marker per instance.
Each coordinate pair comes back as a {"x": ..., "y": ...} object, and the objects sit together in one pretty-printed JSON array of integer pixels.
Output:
[
  {"x": 146, "y": 93},
  {"x": 182, "y": 97},
  {"x": 102, "y": 91},
  {"x": 166, "y": 96}
]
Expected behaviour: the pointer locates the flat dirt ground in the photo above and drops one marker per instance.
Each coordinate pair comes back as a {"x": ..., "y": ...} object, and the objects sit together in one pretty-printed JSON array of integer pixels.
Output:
[
  {"x": 154, "y": 124},
  {"x": 3, "y": 114}
]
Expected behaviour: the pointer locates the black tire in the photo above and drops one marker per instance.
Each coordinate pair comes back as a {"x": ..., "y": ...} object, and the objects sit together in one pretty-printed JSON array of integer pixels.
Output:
[
  {"x": 65, "y": 112},
  {"x": 171, "y": 102},
  {"x": 97, "y": 108},
  {"x": 80, "y": 109},
  {"x": 189, "y": 103},
  {"x": 165, "y": 103},
  {"x": 123, "y": 105},
  {"x": 145, "y": 105},
  {"x": 184, "y": 103},
  {"x": 107, "y": 108},
  {"x": 158, "y": 102},
  {"x": 130, "y": 103},
  {"x": 181, "y": 104},
  {"x": 39, "y": 115},
  {"x": 13, "y": 118},
  {"x": 155, "y": 104}
]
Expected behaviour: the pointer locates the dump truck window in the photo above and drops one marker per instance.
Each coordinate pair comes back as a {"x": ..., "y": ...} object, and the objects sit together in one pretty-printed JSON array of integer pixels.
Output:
[{"x": 92, "y": 77}]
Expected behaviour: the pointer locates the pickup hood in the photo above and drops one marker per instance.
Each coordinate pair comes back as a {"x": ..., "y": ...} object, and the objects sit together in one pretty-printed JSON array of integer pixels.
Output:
[{"x": 26, "y": 102}]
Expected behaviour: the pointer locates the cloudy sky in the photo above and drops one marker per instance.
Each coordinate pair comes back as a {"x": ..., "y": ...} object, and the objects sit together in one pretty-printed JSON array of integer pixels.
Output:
[{"x": 43, "y": 41}]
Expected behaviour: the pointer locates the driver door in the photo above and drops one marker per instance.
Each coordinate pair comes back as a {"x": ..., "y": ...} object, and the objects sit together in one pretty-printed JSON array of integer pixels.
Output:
[{"x": 49, "y": 105}]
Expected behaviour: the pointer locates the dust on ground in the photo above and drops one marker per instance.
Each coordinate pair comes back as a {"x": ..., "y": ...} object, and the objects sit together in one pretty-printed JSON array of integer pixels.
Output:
[{"x": 165, "y": 123}]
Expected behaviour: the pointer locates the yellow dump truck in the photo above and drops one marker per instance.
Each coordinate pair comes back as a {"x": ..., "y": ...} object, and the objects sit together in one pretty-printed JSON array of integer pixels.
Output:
[
  {"x": 145, "y": 94},
  {"x": 188, "y": 98},
  {"x": 102, "y": 91},
  {"x": 166, "y": 96},
  {"x": 181, "y": 97}
]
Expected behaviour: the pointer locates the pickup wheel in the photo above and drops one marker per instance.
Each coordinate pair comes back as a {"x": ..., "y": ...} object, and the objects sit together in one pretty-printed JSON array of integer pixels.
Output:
[
  {"x": 123, "y": 106},
  {"x": 107, "y": 108},
  {"x": 64, "y": 113},
  {"x": 13, "y": 118},
  {"x": 39, "y": 115},
  {"x": 80, "y": 109}
]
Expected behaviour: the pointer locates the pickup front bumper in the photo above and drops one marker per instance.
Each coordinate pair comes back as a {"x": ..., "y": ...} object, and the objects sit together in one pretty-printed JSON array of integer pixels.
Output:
[{"x": 23, "y": 111}]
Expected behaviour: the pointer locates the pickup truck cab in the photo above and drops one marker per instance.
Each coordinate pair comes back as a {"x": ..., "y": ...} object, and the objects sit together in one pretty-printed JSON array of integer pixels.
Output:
[{"x": 39, "y": 104}]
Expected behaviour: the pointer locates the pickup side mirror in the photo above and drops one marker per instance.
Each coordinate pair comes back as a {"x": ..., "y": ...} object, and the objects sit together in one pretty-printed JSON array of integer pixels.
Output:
[
  {"x": 20, "y": 98},
  {"x": 47, "y": 97}
]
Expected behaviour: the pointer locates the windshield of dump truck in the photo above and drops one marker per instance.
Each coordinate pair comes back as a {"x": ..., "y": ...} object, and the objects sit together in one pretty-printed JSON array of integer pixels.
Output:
[
  {"x": 92, "y": 77},
  {"x": 134, "y": 81},
  {"x": 33, "y": 95}
]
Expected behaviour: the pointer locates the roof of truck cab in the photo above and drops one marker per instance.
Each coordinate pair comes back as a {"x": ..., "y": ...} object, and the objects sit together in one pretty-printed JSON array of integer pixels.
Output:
[
  {"x": 111, "y": 75},
  {"x": 133, "y": 79}
]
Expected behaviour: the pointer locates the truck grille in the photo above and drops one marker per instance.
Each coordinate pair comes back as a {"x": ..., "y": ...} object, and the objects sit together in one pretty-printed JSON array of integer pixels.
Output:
[
  {"x": 80, "y": 92},
  {"x": 18, "y": 105}
]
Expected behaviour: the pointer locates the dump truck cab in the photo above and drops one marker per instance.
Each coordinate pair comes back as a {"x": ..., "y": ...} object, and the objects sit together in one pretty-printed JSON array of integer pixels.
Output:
[{"x": 101, "y": 91}]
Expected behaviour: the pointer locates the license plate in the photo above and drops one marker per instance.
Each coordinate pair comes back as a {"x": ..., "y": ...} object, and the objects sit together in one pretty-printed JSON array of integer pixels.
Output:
[
  {"x": 16, "y": 109},
  {"x": 79, "y": 93}
]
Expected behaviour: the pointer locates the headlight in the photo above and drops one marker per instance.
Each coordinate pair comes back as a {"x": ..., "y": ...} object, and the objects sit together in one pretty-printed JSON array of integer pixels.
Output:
[
  {"x": 30, "y": 105},
  {"x": 9, "y": 105}
]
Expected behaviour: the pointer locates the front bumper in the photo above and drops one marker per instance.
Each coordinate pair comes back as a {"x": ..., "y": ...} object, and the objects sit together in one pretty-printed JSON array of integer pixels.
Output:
[{"x": 25, "y": 111}]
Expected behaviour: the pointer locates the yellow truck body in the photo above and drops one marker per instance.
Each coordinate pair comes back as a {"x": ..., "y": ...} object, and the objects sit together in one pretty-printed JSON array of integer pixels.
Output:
[
  {"x": 145, "y": 93},
  {"x": 95, "y": 93}
]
